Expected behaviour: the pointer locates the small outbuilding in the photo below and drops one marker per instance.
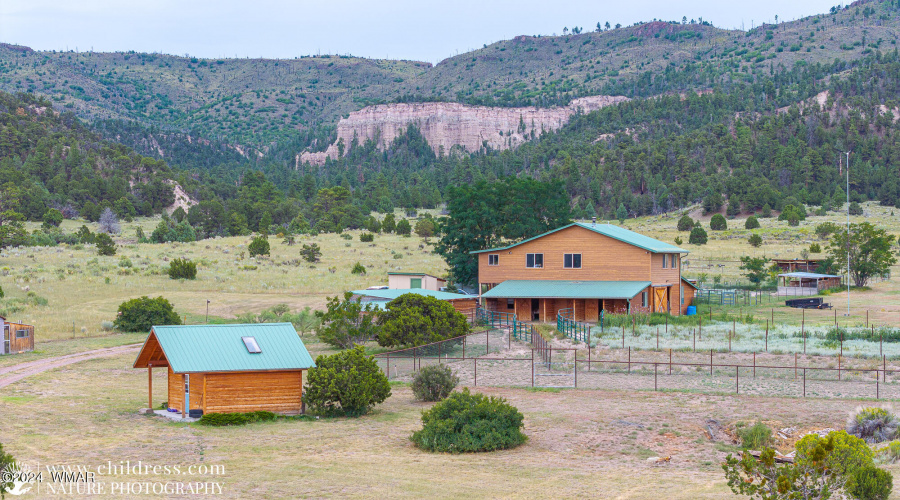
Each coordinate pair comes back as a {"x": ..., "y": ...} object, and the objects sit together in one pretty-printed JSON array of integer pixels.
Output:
[
  {"x": 17, "y": 337},
  {"x": 402, "y": 281},
  {"x": 465, "y": 304},
  {"x": 228, "y": 368},
  {"x": 801, "y": 283}
]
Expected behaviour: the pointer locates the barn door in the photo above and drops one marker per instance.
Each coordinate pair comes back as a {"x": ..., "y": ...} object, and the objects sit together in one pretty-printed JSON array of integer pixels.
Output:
[{"x": 660, "y": 301}]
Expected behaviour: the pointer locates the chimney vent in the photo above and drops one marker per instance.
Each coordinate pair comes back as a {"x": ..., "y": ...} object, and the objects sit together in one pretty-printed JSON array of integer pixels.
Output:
[{"x": 593, "y": 221}]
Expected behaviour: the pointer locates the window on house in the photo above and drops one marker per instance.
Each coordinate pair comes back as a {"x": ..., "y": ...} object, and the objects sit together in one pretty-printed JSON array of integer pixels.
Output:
[
  {"x": 665, "y": 257},
  {"x": 572, "y": 261},
  {"x": 21, "y": 334},
  {"x": 644, "y": 299},
  {"x": 251, "y": 345},
  {"x": 674, "y": 261},
  {"x": 493, "y": 259},
  {"x": 535, "y": 260},
  {"x": 510, "y": 303}
]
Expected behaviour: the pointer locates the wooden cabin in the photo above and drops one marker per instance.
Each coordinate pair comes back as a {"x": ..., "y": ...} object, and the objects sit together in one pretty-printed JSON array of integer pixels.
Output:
[
  {"x": 228, "y": 368},
  {"x": 586, "y": 267},
  {"x": 17, "y": 337},
  {"x": 401, "y": 281}
]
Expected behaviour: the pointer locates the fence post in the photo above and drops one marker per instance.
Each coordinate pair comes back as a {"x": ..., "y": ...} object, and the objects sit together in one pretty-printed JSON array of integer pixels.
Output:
[
  {"x": 487, "y": 342},
  {"x": 532, "y": 367},
  {"x": 695, "y": 339},
  {"x": 839, "y": 365},
  {"x": 655, "y": 387},
  {"x": 388, "y": 366},
  {"x": 623, "y": 335},
  {"x": 737, "y": 379},
  {"x": 884, "y": 367},
  {"x": 667, "y": 324},
  {"x": 576, "y": 368},
  {"x": 476, "y": 371},
  {"x": 589, "y": 357}
]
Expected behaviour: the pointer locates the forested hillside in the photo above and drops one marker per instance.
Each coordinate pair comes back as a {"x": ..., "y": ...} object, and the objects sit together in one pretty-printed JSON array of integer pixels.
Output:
[{"x": 50, "y": 159}]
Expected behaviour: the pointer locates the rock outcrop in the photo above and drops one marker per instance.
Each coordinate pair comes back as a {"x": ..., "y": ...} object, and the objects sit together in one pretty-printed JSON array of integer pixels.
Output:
[{"x": 448, "y": 124}]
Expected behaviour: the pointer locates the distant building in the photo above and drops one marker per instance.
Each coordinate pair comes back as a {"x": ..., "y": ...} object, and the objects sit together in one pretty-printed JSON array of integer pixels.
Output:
[
  {"x": 801, "y": 265},
  {"x": 400, "y": 281},
  {"x": 17, "y": 337},
  {"x": 465, "y": 304},
  {"x": 586, "y": 267}
]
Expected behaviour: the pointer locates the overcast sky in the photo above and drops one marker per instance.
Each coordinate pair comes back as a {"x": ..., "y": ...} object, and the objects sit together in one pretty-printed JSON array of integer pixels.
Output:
[{"x": 398, "y": 29}]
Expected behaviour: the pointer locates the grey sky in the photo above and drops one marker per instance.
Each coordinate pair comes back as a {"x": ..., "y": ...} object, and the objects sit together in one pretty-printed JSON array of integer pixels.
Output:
[{"x": 399, "y": 29}]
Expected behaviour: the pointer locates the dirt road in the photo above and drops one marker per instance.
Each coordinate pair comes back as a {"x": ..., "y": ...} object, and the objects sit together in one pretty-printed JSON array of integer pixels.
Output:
[{"x": 14, "y": 373}]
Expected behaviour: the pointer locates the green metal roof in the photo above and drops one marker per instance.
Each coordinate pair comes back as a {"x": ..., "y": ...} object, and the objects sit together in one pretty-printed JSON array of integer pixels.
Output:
[
  {"x": 219, "y": 348},
  {"x": 564, "y": 289},
  {"x": 413, "y": 274},
  {"x": 393, "y": 293},
  {"x": 615, "y": 232}
]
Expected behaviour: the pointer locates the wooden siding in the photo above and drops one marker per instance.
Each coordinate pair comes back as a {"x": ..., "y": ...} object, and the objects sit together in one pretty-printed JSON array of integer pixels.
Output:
[
  {"x": 17, "y": 345},
  {"x": 602, "y": 259},
  {"x": 240, "y": 392},
  {"x": 668, "y": 276},
  {"x": 688, "y": 298}
]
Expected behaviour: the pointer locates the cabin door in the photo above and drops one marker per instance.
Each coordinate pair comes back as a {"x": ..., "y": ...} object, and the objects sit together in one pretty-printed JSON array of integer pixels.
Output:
[
  {"x": 661, "y": 299},
  {"x": 187, "y": 392},
  {"x": 535, "y": 309},
  {"x": 5, "y": 340}
]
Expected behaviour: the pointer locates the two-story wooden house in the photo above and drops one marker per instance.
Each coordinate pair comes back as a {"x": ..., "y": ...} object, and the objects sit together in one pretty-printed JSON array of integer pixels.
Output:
[{"x": 588, "y": 267}]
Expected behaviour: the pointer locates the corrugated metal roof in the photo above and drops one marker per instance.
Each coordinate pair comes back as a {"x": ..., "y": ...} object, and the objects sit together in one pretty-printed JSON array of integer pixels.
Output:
[
  {"x": 219, "y": 348},
  {"x": 809, "y": 275},
  {"x": 615, "y": 232},
  {"x": 413, "y": 274},
  {"x": 562, "y": 289},
  {"x": 393, "y": 293}
]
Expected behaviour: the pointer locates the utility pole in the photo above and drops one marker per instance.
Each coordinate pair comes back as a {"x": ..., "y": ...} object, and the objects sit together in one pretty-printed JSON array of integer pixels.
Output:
[{"x": 848, "y": 232}]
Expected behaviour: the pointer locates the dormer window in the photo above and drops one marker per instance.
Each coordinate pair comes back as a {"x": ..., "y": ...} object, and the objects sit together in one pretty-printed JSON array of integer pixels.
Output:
[
  {"x": 251, "y": 345},
  {"x": 534, "y": 260}
]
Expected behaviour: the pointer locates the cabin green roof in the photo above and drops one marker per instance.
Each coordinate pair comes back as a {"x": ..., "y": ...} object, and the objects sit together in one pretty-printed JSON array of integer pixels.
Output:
[
  {"x": 615, "y": 232},
  {"x": 566, "y": 289},
  {"x": 393, "y": 293},
  {"x": 220, "y": 348}
]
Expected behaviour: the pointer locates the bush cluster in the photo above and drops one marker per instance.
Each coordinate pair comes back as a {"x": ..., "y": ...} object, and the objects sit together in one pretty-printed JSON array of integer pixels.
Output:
[
  {"x": 755, "y": 436},
  {"x": 873, "y": 425},
  {"x": 466, "y": 423},
  {"x": 139, "y": 315},
  {"x": 182, "y": 269},
  {"x": 434, "y": 383},
  {"x": 346, "y": 383},
  {"x": 259, "y": 246},
  {"x": 366, "y": 237},
  {"x": 224, "y": 419}
]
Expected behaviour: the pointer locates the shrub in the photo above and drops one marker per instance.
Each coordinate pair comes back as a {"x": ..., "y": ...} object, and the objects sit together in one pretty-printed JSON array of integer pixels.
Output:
[
  {"x": 826, "y": 229},
  {"x": 849, "y": 453},
  {"x": 358, "y": 269},
  {"x": 346, "y": 383},
  {"x": 412, "y": 320},
  {"x": 755, "y": 437},
  {"x": 466, "y": 423},
  {"x": 109, "y": 222},
  {"x": 367, "y": 237},
  {"x": 434, "y": 383},
  {"x": 698, "y": 236},
  {"x": 139, "y": 315},
  {"x": 685, "y": 223},
  {"x": 766, "y": 211},
  {"x": 718, "y": 223},
  {"x": 389, "y": 224},
  {"x": 346, "y": 322},
  {"x": 345, "y": 236},
  {"x": 815, "y": 248},
  {"x": 311, "y": 253},
  {"x": 52, "y": 218},
  {"x": 855, "y": 209},
  {"x": 182, "y": 269},
  {"x": 259, "y": 246},
  {"x": 224, "y": 419},
  {"x": 874, "y": 425},
  {"x": 105, "y": 244},
  {"x": 890, "y": 453},
  {"x": 678, "y": 240},
  {"x": 870, "y": 483},
  {"x": 85, "y": 235},
  {"x": 755, "y": 240},
  {"x": 751, "y": 223},
  {"x": 403, "y": 228},
  {"x": 7, "y": 463},
  {"x": 425, "y": 228}
]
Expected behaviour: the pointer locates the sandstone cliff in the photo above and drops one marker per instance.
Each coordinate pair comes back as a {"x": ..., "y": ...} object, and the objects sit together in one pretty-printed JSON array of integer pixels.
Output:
[{"x": 448, "y": 124}]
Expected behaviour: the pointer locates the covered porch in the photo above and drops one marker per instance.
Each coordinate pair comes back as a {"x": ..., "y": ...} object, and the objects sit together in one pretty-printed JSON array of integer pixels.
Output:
[
  {"x": 802, "y": 283},
  {"x": 539, "y": 300}
]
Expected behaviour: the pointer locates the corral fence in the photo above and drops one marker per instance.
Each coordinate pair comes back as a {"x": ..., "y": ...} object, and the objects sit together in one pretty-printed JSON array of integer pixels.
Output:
[{"x": 575, "y": 330}]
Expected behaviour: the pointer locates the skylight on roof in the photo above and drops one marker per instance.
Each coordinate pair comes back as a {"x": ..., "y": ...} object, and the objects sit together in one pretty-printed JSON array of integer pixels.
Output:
[{"x": 252, "y": 346}]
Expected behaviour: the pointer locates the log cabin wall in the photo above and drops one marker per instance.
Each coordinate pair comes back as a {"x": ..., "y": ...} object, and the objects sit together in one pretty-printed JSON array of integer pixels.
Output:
[
  {"x": 241, "y": 392},
  {"x": 602, "y": 259}
]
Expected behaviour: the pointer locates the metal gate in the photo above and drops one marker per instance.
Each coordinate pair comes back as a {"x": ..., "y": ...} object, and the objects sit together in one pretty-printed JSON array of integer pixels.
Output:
[{"x": 551, "y": 368}]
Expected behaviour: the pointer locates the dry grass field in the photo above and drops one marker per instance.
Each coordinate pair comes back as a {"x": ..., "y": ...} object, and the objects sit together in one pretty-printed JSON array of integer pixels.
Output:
[{"x": 581, "y": 442}]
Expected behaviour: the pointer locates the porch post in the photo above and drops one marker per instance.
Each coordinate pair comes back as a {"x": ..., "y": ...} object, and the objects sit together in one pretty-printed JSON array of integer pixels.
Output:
[{"x": 150, "y": 386}]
